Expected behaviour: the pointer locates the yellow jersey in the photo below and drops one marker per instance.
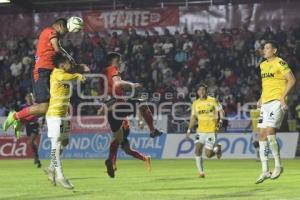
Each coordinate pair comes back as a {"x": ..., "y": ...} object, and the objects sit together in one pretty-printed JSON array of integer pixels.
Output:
[
  {"x": 273, "y": 80},
  {"x": 254, "y": 115},
  {"x": 60, "y": 92},
  {"x": 206, "y": 111}
]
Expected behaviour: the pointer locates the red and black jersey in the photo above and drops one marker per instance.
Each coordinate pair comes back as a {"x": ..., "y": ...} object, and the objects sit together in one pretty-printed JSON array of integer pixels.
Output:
[{"x": 110, "y": 72}]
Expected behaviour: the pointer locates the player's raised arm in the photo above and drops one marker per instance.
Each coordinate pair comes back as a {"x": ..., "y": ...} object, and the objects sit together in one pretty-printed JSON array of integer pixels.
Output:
[
  {"x": 118, "y": 82},
  {"x": 55, "y": 45}
]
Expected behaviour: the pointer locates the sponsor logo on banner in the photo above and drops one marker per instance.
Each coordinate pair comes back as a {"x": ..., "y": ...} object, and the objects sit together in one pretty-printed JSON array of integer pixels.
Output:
[
  {"x": 234, "y": 145},
  {"x": 120, "y": 19},
  {"x": 146, "y": 145},
  {"x": 10, "y": 147},
  {"x": 91, "y": 145}
]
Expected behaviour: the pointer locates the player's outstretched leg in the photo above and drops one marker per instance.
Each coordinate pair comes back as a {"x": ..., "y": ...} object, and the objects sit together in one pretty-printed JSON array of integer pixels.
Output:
[
  {"x": 29, "y": 114},
  {"x": 275, "y": 151},
  {"x": 55, "y": 159},
  {"x": 132, "y": 152}
]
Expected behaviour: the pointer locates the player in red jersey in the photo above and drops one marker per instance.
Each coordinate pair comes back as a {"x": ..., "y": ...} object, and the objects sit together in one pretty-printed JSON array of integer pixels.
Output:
[
  {"x": 122, "y": 108},
  {"x": 47, "y": 47}
]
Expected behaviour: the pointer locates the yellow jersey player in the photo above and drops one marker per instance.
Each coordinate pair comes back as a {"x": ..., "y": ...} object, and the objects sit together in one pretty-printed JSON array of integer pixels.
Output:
[
  {"x": 57, "y": 118},
  {"x": 277, "y": 82},
  {"x": 207, "y": 110},
  {"x": 254, "y": 116}
]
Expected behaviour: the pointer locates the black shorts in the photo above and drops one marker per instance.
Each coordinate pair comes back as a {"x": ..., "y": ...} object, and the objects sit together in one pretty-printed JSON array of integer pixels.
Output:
[
  {"x": 116, "y": 116},
  {"x": 41, "y": 86},
  {"x": 32, "y": 128}
]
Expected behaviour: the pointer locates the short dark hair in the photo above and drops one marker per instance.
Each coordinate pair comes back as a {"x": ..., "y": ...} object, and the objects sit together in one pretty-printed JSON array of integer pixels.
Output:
[
  {"x": 59, "y": 59},
  {"x": 61, "y": 21},
  {"x": 111, "y": 56},
  {"x": 273, "y": 43},
  {"x": 202, "y": 85}
]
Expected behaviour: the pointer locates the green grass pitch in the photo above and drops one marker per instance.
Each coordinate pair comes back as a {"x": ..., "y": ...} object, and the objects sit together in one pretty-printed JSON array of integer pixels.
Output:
[{"x": 169, "y": 180}]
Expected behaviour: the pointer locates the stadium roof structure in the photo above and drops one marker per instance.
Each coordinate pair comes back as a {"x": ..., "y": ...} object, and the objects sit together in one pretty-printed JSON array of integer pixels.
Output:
[{"x": 21, "y": 6}]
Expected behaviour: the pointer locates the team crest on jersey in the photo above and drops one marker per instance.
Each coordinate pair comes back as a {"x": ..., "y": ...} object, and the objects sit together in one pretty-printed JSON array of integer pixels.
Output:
[{"x": 283, "y": 63}]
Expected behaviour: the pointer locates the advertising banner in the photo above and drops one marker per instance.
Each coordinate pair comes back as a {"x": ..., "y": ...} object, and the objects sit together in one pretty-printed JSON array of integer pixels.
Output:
[
  {"x": 138, "y": 18},
  {"x": 92, "y": 145},
  {"x": 234, "y": 145},
  {"x": 10, "y": 147}
]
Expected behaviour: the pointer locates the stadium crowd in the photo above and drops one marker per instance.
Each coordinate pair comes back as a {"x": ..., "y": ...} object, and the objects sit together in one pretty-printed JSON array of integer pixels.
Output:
[{"x": 169, "y": 64}]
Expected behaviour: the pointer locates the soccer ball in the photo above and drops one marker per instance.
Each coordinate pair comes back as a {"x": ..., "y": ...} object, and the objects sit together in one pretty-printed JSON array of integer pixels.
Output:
[{"x": 75, "y": 24}]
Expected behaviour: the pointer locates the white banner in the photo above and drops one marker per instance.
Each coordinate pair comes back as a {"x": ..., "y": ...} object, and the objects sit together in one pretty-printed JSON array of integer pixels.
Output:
[
  {"x": 160, "y": 122},
  {"x": 234, "y": 145}
]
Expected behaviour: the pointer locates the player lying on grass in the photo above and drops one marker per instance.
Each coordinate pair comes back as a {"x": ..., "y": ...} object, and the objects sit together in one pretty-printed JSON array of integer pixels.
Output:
[
  {"x": 57, "y": 116},
  {"x": 277, "y": 82},
  {"x": 122, "y": 108},
  {"x": 47, "y": 47},
  {"x": 207, "y": 110}
]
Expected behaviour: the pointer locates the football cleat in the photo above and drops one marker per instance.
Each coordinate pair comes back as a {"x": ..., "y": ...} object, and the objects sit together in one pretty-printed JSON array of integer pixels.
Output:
[
  {"x": 65, "y": 183},
  {"x": 38, "y": 163},
  {"x": 10, "y": 120},
  {"x": 148, "y": 163},
  {"x": 51, "y": 175},
  {"x": 110, "y": 168},
  {"x": 156, "y": 133},
  {"x": 276, "y": 173},
  {"x": 17, "y": 128},
  {"x": 201, "y": 175},
  {"x": 263, "y": 176}
]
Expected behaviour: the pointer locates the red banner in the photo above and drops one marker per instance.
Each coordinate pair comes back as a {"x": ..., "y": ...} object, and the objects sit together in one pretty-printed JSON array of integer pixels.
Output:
[
  {"x": 120, "y": 19},
  {"x": 10, "y": 147}
]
